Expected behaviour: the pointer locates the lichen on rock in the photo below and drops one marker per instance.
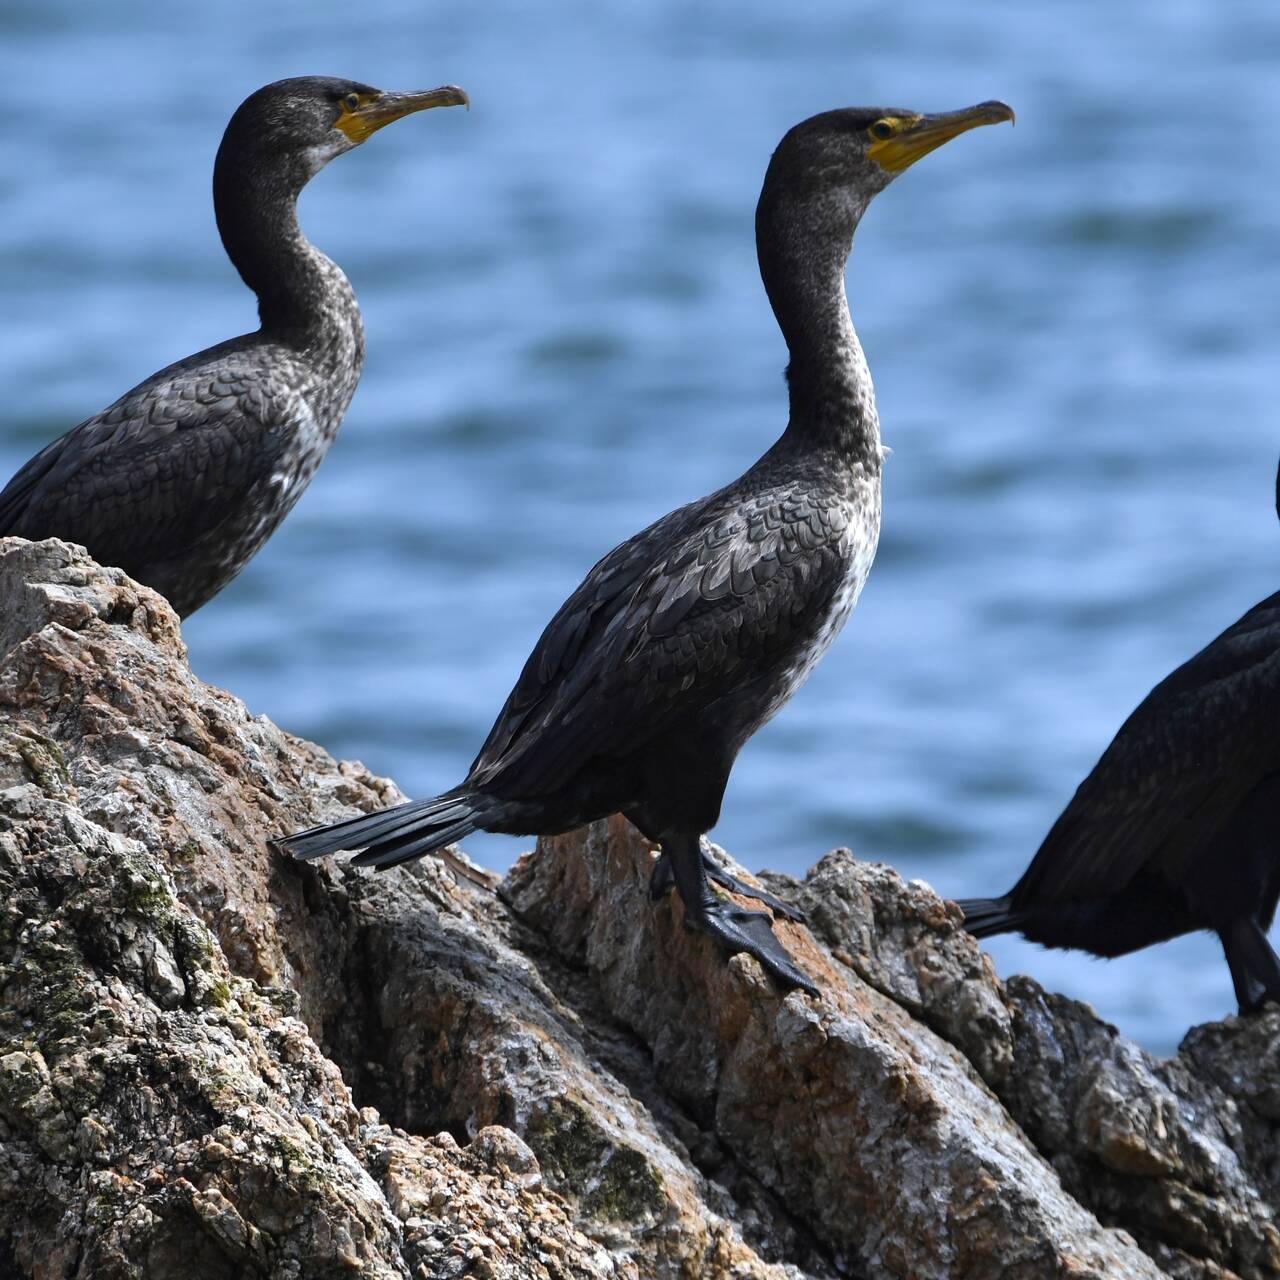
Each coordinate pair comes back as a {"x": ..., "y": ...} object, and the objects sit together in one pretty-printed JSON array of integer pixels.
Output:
[{"x": 218, "y": 1063}]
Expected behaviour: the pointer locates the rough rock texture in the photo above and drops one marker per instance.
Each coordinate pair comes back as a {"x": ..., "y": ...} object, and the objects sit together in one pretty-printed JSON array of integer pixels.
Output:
[{"x": 216, "y": 1063}]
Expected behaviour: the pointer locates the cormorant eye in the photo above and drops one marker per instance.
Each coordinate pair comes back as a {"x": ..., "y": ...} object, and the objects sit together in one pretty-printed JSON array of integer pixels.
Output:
[
  {"x": 351, "y": 102},
  {"x": 882, "y": 130}
]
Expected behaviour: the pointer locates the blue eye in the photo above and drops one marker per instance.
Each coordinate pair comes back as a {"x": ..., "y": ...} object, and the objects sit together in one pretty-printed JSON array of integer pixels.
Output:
[
  {"x": 351, "y": 101},
  {"x": 882, "y": 130}
]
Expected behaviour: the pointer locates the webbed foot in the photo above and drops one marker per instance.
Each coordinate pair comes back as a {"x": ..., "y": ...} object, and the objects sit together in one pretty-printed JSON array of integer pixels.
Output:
[
  {"x": 663, "y": 880},
  {"x": 751, "y": 931}
]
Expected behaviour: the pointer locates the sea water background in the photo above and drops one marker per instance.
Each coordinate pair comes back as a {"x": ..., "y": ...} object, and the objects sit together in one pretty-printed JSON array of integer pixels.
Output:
[{"x": 1071, "y": 326}]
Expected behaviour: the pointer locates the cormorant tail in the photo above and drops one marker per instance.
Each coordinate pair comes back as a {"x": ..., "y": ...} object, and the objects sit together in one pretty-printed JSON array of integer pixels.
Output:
[
  {"x": 392, "y": 836},
  {"x": 985, "y": 916}
]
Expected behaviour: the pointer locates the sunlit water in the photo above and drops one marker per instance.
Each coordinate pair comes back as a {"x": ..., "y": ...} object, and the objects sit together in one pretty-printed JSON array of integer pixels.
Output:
[{"x": 1071, "y": 325}]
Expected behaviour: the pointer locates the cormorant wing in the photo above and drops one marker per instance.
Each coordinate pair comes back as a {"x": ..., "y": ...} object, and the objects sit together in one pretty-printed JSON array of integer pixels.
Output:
[
  {"x": 1178, "y": 768},
  {"x": 705, "y": 601},
  {"x": 16, "y": 496},
  {"x": 148, "y": 477}
]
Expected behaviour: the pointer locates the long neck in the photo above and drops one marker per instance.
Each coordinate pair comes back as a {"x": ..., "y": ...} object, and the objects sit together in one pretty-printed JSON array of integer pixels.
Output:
[
  {"x": 803, "y": 252},
  {"x": 303, "y": 297}
]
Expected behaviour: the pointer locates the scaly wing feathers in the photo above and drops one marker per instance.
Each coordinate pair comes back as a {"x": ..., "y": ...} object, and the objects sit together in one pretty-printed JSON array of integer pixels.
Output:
[{"x": 684, "y": 613}]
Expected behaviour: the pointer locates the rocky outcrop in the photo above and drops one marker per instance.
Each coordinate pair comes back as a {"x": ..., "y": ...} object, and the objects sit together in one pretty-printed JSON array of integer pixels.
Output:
[{"x": 217, "y": 1063}]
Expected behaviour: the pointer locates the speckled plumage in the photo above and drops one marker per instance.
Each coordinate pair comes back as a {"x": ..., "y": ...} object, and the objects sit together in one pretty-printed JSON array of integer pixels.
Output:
[
  {"x": 187, "y": 475},
  {"x": 1174, "y": 829},
  {"x": 707, "y": 621},
  {"x": 182, "y": 479},
  {"x": 682, "y": 641}
]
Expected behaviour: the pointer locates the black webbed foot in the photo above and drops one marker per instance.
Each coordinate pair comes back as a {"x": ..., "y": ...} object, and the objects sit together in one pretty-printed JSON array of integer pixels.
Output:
[
  {"x": 752, "y": 932},
  {"x": 734, "y": 885},
  {"x": 689, "y": 868},
  {"x": 663, "y": 880}
]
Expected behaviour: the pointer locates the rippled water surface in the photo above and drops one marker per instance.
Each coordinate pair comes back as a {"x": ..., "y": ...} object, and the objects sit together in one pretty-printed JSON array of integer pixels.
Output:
[{"x": 1071, "y": 325}]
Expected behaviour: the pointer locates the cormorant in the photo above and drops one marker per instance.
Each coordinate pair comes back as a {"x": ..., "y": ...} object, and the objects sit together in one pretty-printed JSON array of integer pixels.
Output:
[
  {"x": 684, "y": 640},
  {"x": 1175, "y": 828},
  {"x": 186, "y": 476}
]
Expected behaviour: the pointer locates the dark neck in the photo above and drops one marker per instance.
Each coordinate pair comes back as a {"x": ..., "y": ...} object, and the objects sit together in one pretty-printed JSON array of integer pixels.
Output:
[
  {"x": 302, "y": 295},
  {"x": 803, "y": 251}
]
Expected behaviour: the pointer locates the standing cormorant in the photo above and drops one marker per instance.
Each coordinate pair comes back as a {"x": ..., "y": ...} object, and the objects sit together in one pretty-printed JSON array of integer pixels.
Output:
[
  {"x": 186, "y": 476},
  {"x": 1175, "y": 829},
  {"x": 684, "y": 640}
]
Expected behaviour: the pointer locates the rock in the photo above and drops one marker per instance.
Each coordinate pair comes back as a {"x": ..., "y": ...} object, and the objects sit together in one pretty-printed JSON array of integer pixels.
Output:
[{"x": 217, "y": 1063}]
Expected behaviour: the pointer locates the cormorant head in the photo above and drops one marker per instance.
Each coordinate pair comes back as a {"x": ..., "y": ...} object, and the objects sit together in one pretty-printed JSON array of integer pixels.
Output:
[
  {"x": 834, "y": 163},
  {"x": 295, "y": 127}
]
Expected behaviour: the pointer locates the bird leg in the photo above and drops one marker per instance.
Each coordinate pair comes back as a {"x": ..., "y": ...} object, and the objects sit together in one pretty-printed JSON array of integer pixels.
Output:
[
  {"x": 663, "y": 881},
  {"x": 732, "y": 927},
  {"x": 1255, "y": 969}
]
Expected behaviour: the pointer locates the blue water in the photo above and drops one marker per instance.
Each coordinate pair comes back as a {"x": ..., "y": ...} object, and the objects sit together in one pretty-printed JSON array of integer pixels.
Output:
[{"x": 1070, "y": 325}]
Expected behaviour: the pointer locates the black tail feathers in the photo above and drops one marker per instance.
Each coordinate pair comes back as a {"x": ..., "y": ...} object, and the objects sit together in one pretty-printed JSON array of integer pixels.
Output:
[
  {"x": 986, "y": 916},
  {"x": 392, "y": 836}
]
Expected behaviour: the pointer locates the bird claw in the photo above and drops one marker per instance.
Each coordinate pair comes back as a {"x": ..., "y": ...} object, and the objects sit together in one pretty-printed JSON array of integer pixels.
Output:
[
  {"x": 663, "y": 880},
  {"x": 752, "y": 932}
]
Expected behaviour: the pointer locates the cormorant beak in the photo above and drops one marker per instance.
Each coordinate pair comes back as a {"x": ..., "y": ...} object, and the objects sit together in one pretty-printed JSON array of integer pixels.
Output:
[
  {"x": 371, "y": 116},
  {"x": 918, "y": 136}
]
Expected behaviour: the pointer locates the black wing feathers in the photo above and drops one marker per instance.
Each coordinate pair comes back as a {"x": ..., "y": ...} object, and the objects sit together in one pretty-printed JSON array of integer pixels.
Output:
[
  {"x": 695, "y": 606},
  {"x": 152, "y": 474},
  {"x": 16, "y": 495},
  {"x": 1179, "y": 767}
]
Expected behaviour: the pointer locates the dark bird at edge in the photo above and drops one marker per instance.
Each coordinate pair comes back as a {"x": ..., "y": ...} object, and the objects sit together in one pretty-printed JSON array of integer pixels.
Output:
[
  {"x": 1174, "y": 830},
  {"x": 684, "y": 640},
  {"x": 182, "y": 479}
]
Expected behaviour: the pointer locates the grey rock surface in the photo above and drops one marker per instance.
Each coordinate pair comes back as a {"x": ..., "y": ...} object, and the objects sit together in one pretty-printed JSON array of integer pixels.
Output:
[{"x": 217, "y": 1063}]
